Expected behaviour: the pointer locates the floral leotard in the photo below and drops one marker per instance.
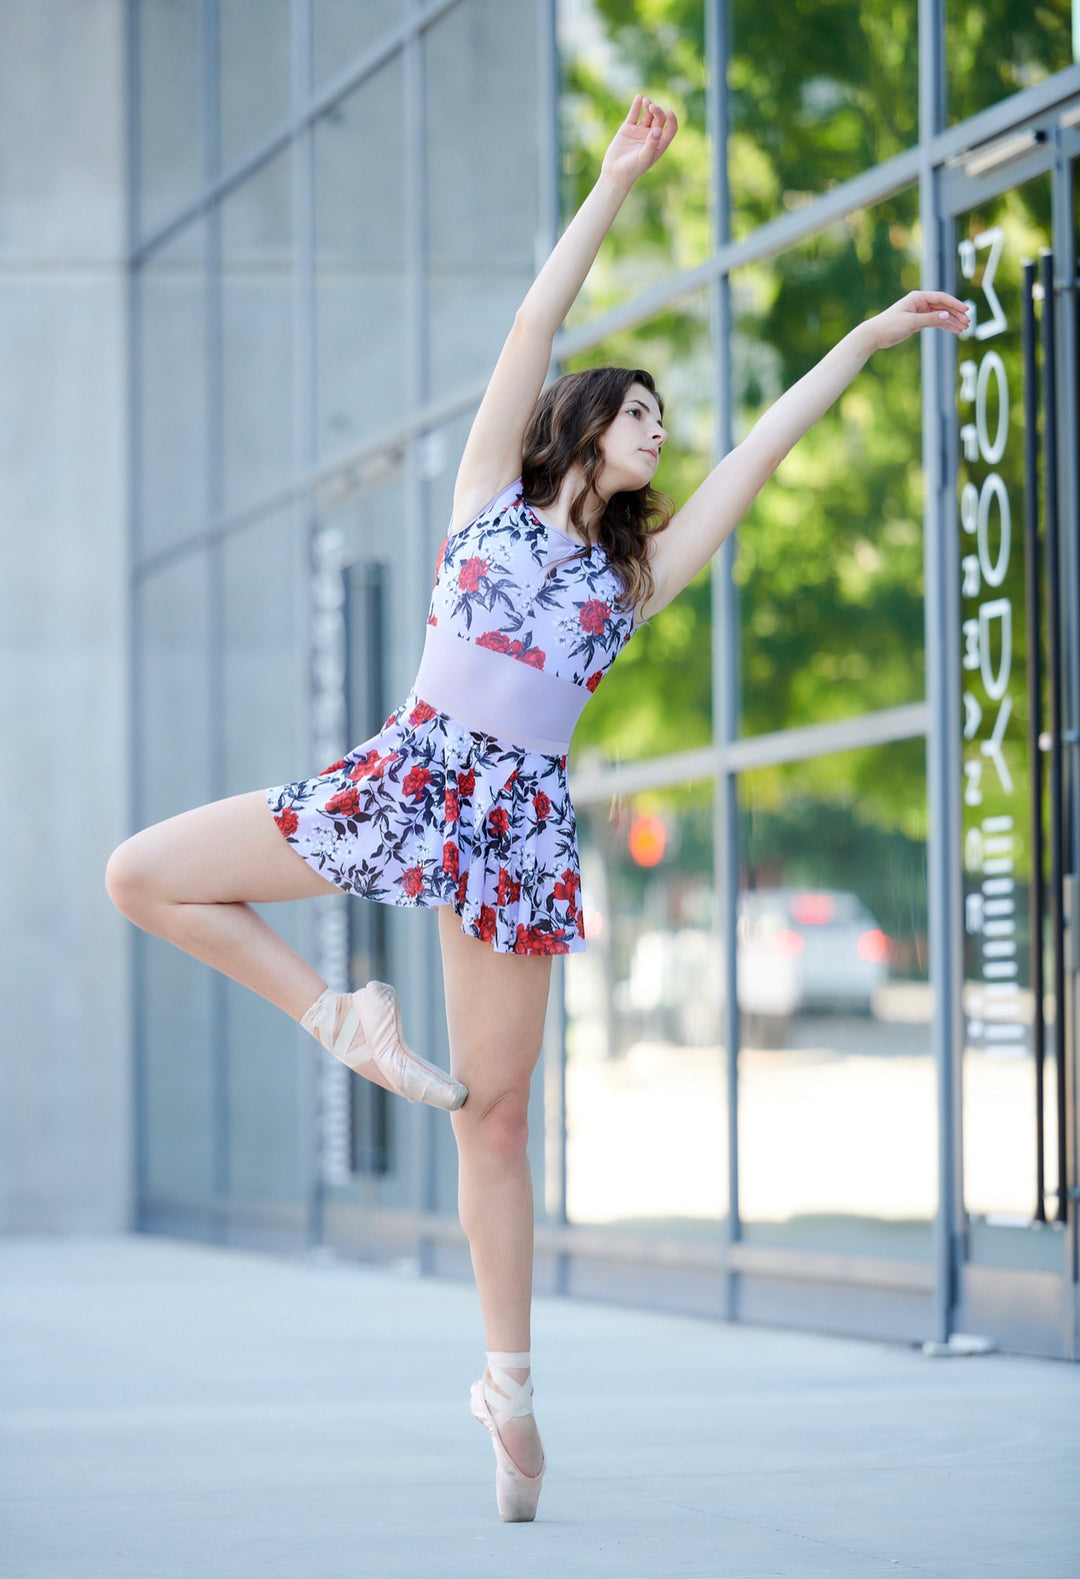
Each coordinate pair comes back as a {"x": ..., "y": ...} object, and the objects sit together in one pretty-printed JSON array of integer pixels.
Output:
[{"x": 462, "y": 798}]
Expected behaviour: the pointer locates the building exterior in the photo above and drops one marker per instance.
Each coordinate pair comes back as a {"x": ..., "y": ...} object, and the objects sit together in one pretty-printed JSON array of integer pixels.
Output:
[{"x": 818, "y": 1065}]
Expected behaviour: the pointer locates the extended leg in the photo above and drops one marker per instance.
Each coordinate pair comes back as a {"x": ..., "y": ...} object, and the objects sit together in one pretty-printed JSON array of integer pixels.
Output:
[{"x": 495, "y": 1006}]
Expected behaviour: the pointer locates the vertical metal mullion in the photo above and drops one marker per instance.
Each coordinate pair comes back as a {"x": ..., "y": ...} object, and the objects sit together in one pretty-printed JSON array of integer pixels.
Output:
[
  {"x": 140, "y": 1175},
  {"x": 425, "y": 1169},
  {"x": 942, "y": 606},
  {"x": 725, "y": 705},
  {"x": 304, "y": 446},
  {"x": 547, "y": 233},
  {"x": 1065, "y": 252},
  {"x": 210, "y": 107}
]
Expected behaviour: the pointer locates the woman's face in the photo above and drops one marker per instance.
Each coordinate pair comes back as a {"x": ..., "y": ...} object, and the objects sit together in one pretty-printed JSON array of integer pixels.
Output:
[{"x": 631, "y": 443}]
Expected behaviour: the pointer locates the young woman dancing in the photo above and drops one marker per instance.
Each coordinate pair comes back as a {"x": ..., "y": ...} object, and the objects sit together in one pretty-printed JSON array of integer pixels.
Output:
[{"x": 557, "y": 549}]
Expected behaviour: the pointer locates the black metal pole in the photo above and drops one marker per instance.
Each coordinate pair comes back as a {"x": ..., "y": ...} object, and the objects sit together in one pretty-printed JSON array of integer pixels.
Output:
[
  {"x": 1034, "y": 691},
  {"x": 1053, "y": 662}
]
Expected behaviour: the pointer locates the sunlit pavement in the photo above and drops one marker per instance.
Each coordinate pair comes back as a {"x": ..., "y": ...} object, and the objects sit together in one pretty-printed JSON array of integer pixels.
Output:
[{"x": 179, "y": 1412}]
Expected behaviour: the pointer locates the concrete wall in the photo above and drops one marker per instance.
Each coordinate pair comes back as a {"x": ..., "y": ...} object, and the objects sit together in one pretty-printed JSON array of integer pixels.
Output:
[{"x": 65, "y": 1087}]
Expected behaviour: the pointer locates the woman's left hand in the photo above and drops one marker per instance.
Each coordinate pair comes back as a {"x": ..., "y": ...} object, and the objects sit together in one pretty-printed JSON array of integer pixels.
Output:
[{"x": 919, "y": 310}]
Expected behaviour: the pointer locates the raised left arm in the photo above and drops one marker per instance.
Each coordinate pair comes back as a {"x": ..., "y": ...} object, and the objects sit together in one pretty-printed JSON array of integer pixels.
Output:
[{"x": 713, "y": 511}]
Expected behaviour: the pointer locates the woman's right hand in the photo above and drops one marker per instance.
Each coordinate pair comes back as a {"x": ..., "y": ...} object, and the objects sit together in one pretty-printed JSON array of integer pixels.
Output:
[{"x": 640, "y": 141}]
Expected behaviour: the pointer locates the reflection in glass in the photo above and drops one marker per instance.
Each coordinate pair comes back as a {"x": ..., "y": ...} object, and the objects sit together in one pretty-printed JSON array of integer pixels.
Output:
[
  {"x": 169, "y": 145},
  {"x": 480, "y": 214},
  {"x": 645, "y": 1072},
  {"x": 254, "y": 39},
  {"x": 170, "y": 411},
  {"x": 818, "y": 94},
  {"x": 609, "y": 51},
  {"x": 344, "y": 28},
  {"x": 658, "y": 697},
  {"x": 996, "y": 47},
  {"x": 256, "y": 335},
  {"x": 829, "y": 561},
  {"x": 360, "y": 312},
  {"x": 837, "y": 1105}
]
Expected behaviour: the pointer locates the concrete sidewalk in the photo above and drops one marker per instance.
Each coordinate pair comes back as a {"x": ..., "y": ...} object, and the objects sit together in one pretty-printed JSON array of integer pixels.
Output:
[{"x": 172, "y": 1411}]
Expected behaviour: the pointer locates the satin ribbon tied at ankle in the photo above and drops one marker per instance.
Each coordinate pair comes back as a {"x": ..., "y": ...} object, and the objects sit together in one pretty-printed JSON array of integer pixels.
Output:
[{"x": 517, "y": 1402}]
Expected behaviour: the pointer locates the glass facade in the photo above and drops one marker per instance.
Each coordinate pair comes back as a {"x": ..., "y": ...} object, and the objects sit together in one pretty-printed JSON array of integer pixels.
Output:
[{"x": 781, "y": 1081}]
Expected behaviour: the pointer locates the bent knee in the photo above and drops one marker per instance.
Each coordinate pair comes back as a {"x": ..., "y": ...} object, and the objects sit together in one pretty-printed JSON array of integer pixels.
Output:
[{"x": 129, "y": 879}]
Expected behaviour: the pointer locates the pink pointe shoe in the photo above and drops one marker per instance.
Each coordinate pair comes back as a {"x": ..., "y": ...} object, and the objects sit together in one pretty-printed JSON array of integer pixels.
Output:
[
  {"x": 334, "y": 1020},
  {"x": 516, "y": 1493}
]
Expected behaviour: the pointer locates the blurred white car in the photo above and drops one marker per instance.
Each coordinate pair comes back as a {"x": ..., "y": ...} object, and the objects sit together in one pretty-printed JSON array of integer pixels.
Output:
[{"x": 802, "y": 948}]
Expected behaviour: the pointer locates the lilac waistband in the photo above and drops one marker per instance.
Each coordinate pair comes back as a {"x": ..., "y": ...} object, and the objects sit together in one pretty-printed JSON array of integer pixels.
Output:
[{"x": 497, "y": 694}]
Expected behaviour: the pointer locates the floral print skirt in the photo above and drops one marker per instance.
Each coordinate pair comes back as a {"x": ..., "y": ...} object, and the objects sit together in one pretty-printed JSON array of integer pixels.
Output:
[{"x": 428, "y": 812}]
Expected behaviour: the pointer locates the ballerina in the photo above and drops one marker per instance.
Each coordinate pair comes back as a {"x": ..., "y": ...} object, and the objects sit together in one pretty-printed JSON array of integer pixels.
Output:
[{"x": 558, "y": 548}]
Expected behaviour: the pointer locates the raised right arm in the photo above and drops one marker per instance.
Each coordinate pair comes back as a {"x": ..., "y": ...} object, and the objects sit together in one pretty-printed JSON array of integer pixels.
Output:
[{"x": 492, "y": 456}]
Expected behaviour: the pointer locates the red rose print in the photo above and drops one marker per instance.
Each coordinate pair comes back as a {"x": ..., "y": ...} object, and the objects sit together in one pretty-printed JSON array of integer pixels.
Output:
[
  {"x": 442, "y": 551},
  {"x": 422, "y": 713},
  {"x": 487, "y": 924},
  {"x": 593, "y": 616},
  {"x": 494, "y": 641},
  {"x": 594, "y": 680},
  {"x": 287, "y": 821},
  {"x": 512, "y": 779},
  {"x": 333, "y": 768},
  {"x": 345, "y": 804},
  {"x": 532, "y": 656},
  {"x": 371, "y": 766},
  {"x": 451, "y": 809},
  {"x": 466, "y": 783},
  {"x": 472, "y": 573},
  {"x": 508, "y": 892},
  {"x": 463, "y": 883},
  {"x": 567, "y": 889},
  {"x": 533, "y": 940},
  {"x": 498, "y": 821},
  {"x": 433, "y": 619},
  {"x": 450, "y": 858},
  {"x": 412, "y": 881},
  {"x": 415, "y": 781},
  {"x": 541, "y": 805},
  {"x": 562, "y": 763}
]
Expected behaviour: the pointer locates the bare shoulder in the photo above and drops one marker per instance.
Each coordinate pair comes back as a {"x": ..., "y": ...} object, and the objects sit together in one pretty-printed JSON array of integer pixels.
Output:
[{"x": 472, "y": 501}]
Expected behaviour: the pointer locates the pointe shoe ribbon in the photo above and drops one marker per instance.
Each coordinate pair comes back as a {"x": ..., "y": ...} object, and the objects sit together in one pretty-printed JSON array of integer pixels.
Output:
[
  {"x": 334, "y": 1020},
  {"x": 516, "y": 1493}
]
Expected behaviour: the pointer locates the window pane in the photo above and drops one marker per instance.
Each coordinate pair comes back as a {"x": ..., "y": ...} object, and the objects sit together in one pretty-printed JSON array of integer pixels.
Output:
[
  {"x": 829, "y": 561},
  {"x": 609, "y": 52},
  {"x": 174, "y": 691},
  {"x": 170, "y": 108},
  {"x": 645, "y": 1074},
  {"x": 345, "y": 28},
  {"x": 658, "y": 697},
  {"x": 819, "y": 93},
  {"x": 264, "y": 654},
  {"x": 256, "y": 335},
  {"x": 996, "y": 47},
  {"x": 360, "y": 265},
  {"x": 174, "y": 775},
  {"x": 837, "y": 1105},
  {"x": 170, "y": 411},
  {"x": 254, "y": 43},
  {"x": 481, "y": 211}
]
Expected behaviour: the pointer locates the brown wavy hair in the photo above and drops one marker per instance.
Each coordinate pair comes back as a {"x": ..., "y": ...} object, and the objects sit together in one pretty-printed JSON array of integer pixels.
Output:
[{"x": 565, "y": 429}]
